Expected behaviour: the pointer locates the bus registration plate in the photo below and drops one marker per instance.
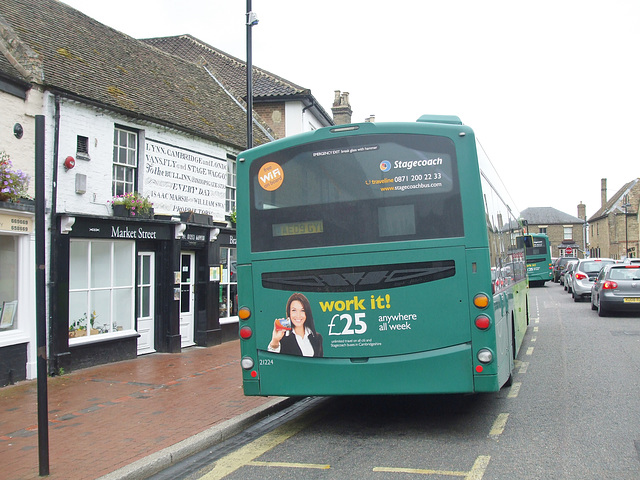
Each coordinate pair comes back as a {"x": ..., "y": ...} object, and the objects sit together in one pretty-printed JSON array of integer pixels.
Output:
[{"x": 632, "y": 300}]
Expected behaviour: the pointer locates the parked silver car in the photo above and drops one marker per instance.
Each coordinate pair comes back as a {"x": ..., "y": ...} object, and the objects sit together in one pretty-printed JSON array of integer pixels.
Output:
[
  {"x": 567, "y": 276},
  {"x": 584, "y": 274},
  {"x": 617, "y": 288}
]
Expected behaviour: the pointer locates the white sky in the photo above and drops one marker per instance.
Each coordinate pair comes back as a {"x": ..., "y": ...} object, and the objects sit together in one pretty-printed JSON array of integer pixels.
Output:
[{"x": 551, "y": 87}]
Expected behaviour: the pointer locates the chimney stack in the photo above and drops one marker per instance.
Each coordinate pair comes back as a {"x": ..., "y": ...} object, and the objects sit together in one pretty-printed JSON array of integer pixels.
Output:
[
  {"x": 582, "y": 211},
  {"x": 603, "y": 192},
  {"x": 341, "y": 109},
  {"x": 371, "y": 119}
]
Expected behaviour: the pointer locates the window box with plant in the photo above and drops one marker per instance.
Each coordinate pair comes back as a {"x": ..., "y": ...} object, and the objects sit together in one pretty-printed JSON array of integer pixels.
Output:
[
  {"x": 132, "y": 205},
  {"x": 79, "y": 327},
  {"x": 13, "y": 183}
]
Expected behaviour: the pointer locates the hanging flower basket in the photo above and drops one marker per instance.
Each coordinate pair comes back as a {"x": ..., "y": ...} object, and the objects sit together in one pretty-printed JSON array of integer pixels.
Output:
[
  {"x": 13, "y": 183},
  {"x": 132, "y": 205}
]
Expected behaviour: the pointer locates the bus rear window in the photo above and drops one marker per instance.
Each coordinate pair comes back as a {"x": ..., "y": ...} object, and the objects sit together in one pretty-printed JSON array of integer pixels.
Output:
[{"x": 360, "y": 189}]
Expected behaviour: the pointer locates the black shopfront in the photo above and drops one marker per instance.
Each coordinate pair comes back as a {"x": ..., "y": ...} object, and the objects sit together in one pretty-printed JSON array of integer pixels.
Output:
[{"x": 123, "y": 287}]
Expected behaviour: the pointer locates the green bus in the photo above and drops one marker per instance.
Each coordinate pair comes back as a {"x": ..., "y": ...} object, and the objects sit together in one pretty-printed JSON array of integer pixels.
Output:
[
  {"x": 377, "y": 258},
  {"x": 538, "y": 257}
]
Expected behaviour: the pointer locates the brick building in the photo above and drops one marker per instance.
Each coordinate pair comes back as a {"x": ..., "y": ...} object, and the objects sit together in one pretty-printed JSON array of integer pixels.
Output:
[
  {"x": 566, "y": 233},
  {"x": 613, "y": 229},
  {"x": 132, "y": 118}
]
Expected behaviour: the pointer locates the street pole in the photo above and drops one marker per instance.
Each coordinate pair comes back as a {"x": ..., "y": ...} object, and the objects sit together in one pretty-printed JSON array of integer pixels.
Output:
[
  {"x": 626, "y": 229},
  {"x": 251, "y": 21},
  {"x": 41, "y": 316}
]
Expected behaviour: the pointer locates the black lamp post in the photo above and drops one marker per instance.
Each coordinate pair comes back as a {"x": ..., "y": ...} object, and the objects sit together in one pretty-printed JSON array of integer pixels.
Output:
[
  {"x": 252, "y": 20},
  {"x": 626, "y": 227}
]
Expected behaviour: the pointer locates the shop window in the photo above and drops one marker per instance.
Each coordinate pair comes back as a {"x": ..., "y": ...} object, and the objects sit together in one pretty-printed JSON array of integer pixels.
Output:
[
  {"x": 8, "y": 282},
  {"x": 101, "y": 287},
  {"x": 228, "y": 284},
  {"x": 125, "y": 161}
]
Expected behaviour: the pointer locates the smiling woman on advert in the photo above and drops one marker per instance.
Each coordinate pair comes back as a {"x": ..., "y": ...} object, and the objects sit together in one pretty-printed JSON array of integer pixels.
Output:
[{"x": 296, "y": 333}]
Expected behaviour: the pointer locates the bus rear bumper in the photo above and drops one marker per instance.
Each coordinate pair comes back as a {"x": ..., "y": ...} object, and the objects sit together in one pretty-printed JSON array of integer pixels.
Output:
[{"x": 446, "y": 370}]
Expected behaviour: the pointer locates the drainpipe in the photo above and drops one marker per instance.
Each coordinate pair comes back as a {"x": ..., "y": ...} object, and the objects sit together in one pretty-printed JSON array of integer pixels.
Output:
[
  {"x": 56, "y": 145},
  {"x": 51, "y": 285}
]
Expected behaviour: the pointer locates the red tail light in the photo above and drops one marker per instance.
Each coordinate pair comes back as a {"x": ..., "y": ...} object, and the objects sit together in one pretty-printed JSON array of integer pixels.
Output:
[
  {"x": 245, "y": 333},
  {"x": 609, "y": 285},
  {"x": 580, "y": 276},
  {"x": 483, "y": 322}
]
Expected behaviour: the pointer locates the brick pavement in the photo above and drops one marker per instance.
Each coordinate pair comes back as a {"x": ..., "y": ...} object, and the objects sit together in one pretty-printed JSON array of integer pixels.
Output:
[{"x": 106, "y": 417}]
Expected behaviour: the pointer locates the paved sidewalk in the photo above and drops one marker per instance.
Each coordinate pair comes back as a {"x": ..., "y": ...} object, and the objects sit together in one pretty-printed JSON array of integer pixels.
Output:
[{"x": 125, "y": 418}]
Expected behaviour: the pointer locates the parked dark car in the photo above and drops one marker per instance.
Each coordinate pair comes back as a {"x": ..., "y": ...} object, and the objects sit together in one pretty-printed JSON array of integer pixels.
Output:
[
  {"x": 617, "y": 288},
  {"x": 559, "y": 266}
]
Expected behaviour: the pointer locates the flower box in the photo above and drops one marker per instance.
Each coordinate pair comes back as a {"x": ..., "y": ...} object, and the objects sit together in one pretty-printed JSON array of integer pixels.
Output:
[
  {"x": 132, "y": 205},
  {"x": 122, "y": 211}
]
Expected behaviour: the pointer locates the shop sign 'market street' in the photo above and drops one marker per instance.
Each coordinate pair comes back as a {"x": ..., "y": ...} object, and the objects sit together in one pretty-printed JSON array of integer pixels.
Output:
[{"x": 133, "y": 234}]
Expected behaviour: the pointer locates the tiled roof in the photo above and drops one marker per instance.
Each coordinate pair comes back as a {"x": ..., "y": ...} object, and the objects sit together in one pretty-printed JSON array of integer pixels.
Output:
[
  {"x": 84, "y": 58},
  {"x": 228, "y": 68},
  {"x": 616, "y": 202},
  {"x": 548, "y": 216},
  {"x": 231, "y": 71}
]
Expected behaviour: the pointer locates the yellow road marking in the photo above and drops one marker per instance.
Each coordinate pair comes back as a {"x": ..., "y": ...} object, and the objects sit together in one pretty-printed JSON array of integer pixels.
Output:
[
  {"x": 243, "y": 456},
  {"x": 420, "y": 471},
  {"x": 289, "y": 465},
  {"x": 529, "y": 350},
  {"x": 533, "y": 339},
  {"x": 523, "y": 367},
  {"x": 535, "y": 329},
  {"x": 514, "y": 390},
  {"x": 498, "y": 425},
  {"x": 479, "y": 466},
  {"x": 476, "y": 472}
]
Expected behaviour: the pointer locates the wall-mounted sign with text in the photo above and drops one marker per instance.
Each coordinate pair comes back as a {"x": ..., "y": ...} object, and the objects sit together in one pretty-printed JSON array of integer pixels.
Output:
[
  {"x": 15, "y": 224},
  {"x": 179, "y": 180}
]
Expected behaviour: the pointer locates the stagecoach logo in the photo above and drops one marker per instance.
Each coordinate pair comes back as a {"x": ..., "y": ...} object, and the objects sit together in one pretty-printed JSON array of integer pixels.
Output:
[
  {"x": 357, "y": 279},
  {"x": 385, "y": 165}
]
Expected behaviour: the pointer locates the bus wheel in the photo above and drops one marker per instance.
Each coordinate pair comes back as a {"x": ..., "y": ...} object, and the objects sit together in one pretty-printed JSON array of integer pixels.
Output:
[{"x": 509, "y": 381}]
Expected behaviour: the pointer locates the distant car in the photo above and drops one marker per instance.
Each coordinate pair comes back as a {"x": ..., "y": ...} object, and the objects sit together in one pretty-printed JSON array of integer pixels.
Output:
[
  {"x": 617, "y": 288},
  {"x": 584, "y": 274},
  {"x": 631, "y": 260},
  {"x": 559, "y": 266},
  {"x": 567, "y": 277}
]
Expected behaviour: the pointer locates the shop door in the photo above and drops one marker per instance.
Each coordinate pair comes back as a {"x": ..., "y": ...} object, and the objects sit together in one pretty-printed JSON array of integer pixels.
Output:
[
  {"x": 146, "y": 300},
  {"x": 187, "y": 296}
]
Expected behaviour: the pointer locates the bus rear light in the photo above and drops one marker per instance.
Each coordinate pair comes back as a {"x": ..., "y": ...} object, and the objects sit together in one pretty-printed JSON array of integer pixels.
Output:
[
  {"x": 244, "y": 313},
  {"x": 481, "y": 300},
  {"x": 479, "y": 368},
  {"x": 483, "y": 322},
  {"x": 254, "y": 374},
  {"x": 247, "y": 363},
  {"x": 485, "y": 355},
  {"x": 580, "y": 276},
  {"x": 609, "y": 285},
  {"x": 246, "y": 332}
]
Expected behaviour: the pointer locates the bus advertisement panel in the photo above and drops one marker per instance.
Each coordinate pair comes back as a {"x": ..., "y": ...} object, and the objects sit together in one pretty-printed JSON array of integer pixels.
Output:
[{"x": 364, "y": 265}]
